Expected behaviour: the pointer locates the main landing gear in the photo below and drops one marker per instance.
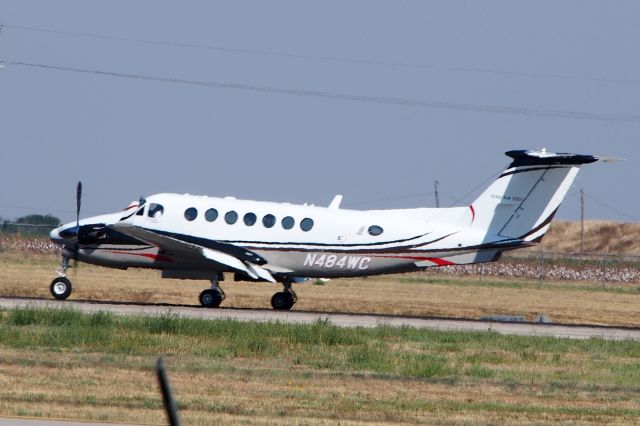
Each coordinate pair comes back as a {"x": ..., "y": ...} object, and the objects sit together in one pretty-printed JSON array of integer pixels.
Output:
[
  {"x": 284, "y": 300},
  {"x": 212, "y": 297},
  {"x": 281, "y": 301},
  {"x": 61, "y": 287}
]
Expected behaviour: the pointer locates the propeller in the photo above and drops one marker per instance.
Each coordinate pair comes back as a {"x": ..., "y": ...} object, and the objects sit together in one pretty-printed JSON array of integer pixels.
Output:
[
  {"x": 78, "y": 205},
  {"x": 78, "y": 202}
]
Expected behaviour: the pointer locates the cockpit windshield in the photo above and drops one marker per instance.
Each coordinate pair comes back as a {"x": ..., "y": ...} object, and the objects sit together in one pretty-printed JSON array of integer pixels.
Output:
[
  {"x": 135, "y": 207},
  {"x": 155, "y": 210}
]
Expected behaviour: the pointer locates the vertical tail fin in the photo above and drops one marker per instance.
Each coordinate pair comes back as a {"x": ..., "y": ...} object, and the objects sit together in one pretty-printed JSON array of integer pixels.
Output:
[{"x": 521, "y": 203}]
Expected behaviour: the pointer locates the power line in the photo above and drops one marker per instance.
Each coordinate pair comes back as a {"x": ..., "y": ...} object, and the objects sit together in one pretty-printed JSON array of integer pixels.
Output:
[
  {"x": 499, "y": 109},
  {"x": 396, "y": 64},
  {"x": 613, "y": 209}
]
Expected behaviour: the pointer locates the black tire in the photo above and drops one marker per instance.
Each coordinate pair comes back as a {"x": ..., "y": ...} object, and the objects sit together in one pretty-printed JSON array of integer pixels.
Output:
[
  {"x": 282, "y": 301},
  {"x": 60, "y": 288},
  {"x": 210, "y": 298}
]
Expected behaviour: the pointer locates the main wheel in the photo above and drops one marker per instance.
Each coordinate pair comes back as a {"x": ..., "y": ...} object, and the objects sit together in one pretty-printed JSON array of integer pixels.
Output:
[
  {"x": 60, "y": 288},
  {"x": 283, "y": 301},
  {"x": 210, "y": 298}
]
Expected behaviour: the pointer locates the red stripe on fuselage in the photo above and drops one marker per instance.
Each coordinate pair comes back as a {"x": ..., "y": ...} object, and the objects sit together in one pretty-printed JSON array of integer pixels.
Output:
[
  {"x": 436, "y": 260},
  {"x": 156, "y": 257},
  {"x": 133, "y": 206}
]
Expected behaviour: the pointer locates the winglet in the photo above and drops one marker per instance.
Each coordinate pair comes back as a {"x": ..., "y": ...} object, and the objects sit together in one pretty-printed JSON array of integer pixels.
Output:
[{"x": 335, "y": 203}]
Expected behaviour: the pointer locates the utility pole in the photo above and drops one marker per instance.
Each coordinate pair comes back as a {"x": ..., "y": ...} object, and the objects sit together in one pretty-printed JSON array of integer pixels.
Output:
[
  {"x": 435, "y": 186},
  {"x": 581, "y": 220}
]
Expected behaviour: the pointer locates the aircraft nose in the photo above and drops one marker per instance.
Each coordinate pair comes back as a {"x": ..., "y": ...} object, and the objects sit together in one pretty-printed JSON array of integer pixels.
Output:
[
  {"x": 55, "y": 234},
  {"x": 64, "y": 233},
  {"x": 68, "y": 233}
]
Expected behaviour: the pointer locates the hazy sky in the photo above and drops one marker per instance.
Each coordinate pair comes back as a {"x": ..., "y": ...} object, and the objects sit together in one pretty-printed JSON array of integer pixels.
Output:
[{"x": 298, "y": 100}]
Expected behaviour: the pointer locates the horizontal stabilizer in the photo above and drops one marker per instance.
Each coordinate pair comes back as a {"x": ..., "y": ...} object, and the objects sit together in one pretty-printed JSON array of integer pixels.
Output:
[{"x": 546, "y": 158}]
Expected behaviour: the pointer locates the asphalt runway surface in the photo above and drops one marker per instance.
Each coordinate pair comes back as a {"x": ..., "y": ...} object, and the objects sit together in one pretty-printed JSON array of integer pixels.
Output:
[{"x": 571, "y": 331}]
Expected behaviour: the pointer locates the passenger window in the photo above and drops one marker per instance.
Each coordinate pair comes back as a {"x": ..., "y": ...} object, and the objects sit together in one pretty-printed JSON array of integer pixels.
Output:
[
  {"x": 250, "y": 219},
  {"x": 288, "y": 222},
  {"x": 231, "y": 217},
  {"x": 211, "y": 215},
  {"x": 190, "y": 214},
  {"x": 155, "y": 210},
  {"x": 269, "y": 220},
  {"x": 375, "y": 230},
  {"x": 306, "y": 224}
]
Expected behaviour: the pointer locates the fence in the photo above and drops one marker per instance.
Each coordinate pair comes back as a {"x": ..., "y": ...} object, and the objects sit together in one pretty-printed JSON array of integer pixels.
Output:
[
  {"x": 26, "y": 238},
  {"x": 25, "y": 229},
  {"x": 556, "y": 266}
]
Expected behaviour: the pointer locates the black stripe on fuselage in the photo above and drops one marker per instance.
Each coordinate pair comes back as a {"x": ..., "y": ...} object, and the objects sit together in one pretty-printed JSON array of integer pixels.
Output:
[
  {"x": 499, "y": 245},
  {"x": 341, "y": 248},
  {"x": 242, "y": 249},
  {"x": 118, "y": 247},
  {"x": 289, "y": 243}
]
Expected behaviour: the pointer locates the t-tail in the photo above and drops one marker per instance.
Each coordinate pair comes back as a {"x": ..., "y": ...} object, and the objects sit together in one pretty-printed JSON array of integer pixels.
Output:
[{"x": 518, "y": 207}]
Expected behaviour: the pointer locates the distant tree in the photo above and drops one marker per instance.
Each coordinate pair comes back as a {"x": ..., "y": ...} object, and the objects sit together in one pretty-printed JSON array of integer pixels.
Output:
[
  {"x": 33, "y": 225},
  {"x": 38, "y": 219}
]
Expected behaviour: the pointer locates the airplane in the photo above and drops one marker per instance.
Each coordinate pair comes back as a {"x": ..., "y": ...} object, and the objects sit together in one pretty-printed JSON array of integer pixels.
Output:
[{"x": 207, "y": 238}]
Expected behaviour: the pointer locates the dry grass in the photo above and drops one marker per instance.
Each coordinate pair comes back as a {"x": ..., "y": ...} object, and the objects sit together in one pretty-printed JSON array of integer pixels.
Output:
[
  {"x": 483, "y": 379},
  {"x": 599, "y": 237},
  {"x": 486, "y": 379},
  {"x": 425, "y": 294}
]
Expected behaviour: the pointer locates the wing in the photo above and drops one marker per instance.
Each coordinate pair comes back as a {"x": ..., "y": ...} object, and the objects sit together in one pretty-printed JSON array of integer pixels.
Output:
[{"x": 226, "y": 255}]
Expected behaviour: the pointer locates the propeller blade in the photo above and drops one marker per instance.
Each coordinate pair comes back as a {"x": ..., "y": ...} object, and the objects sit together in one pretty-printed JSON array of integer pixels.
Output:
[
  {"x": 78, "y": 202},
  {"x": 78, "y": 205}
]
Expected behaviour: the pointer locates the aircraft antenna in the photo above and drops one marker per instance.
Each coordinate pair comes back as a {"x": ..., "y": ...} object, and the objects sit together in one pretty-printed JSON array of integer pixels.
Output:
[{"x": 435, "y": 192}]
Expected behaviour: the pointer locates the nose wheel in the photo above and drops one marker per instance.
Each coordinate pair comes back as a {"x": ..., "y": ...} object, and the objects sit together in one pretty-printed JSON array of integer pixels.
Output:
[
  {"x": 284, "y": 300},
  {"x": 61, "y": 287}
]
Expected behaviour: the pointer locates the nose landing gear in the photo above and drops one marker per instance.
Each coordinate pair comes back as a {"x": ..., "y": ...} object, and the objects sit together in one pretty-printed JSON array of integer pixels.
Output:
[{"x": 61, "y": 287}]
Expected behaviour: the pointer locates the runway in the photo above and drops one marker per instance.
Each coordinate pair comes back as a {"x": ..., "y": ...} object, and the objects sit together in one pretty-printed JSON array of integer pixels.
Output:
[{"x": 338, "y": 319}]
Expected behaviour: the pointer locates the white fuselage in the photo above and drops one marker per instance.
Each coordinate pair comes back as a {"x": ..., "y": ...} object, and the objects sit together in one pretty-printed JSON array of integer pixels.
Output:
[{"x": 299, "y": 240}]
